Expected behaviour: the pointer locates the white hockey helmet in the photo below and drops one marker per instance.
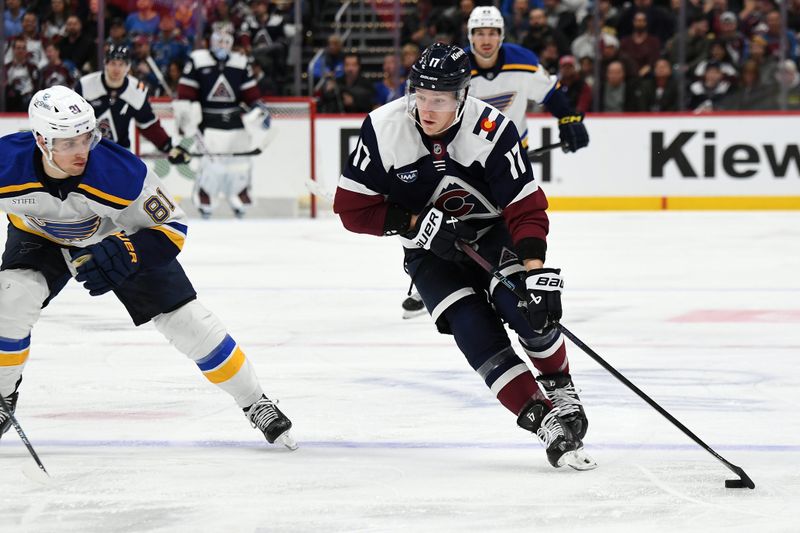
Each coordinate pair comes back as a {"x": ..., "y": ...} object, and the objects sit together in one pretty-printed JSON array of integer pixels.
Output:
[
  {"x": 60, "y": 113},
  {"x": 485, "y": 17},
  {"x": 221, "y": 44}
]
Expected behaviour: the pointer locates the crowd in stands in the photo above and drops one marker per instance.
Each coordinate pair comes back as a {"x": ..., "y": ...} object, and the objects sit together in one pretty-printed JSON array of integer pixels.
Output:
[{"x": 732, "y": 48}]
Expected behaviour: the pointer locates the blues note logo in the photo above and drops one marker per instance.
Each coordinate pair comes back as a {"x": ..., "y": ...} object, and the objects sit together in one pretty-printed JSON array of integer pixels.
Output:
[{"x": 69, "y": 231}]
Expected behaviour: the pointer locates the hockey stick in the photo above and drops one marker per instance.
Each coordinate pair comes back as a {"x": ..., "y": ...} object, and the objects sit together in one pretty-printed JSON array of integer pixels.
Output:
[
  {"x": 22, "y": 436},
  {"x": 533, "y": 154},
  {"x": 743, "y": 481},
  {"x": 256, "y": 151}
]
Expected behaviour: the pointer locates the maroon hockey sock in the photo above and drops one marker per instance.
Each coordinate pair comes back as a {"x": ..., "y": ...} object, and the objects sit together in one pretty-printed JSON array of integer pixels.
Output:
[
  {"x": 519, "y": 391},
  {"x": 555, "y": 363}
]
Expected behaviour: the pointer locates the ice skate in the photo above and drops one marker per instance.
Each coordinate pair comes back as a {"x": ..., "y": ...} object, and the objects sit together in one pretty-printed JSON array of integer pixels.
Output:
[
  {"x": 561, "y": 445},
  {"x": 5, "y": 420},
  {"x": 561, "y": 391},
  {"x": 275, "y": 426},
  {"x": 413, "y": 306}
]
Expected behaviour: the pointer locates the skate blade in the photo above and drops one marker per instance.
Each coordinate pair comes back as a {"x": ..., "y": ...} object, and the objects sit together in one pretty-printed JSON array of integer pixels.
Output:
[
  {"x": 578, "y": 459},
  {"x": 413, "y": 314},
  {"x": 286, "y": 439}
]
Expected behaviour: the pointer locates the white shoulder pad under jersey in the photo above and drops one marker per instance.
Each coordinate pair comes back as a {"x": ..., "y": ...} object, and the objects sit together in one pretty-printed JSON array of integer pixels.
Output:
[
  {"x": 135, "y": 94},
  {"x": 512, "y": 82},
  {"x": 202, "y": 58},
  {"x": 92, "y": 86}
]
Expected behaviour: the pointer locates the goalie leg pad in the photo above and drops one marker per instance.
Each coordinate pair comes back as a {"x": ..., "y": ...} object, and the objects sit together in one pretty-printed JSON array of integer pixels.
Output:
[
  {"x": 200, "y": 335},
  {"x": 22, "y": 293}
]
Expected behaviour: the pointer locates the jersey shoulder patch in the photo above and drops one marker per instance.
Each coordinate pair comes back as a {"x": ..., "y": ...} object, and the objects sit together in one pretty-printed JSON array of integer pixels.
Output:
[
  {"x": 486, "y": 121},
  {"x": 17, "y": 175},
  {"x": 519, "y": 58},
  {"x": 114, "y": 176},
  {"x": 202, "y": 59},
  {"x": 92, "y": 86},
  {"x": 135, "y": 93}
]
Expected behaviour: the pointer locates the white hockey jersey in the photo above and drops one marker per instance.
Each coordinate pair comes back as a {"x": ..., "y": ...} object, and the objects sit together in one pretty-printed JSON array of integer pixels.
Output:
[{"x": 515, "y": 79}]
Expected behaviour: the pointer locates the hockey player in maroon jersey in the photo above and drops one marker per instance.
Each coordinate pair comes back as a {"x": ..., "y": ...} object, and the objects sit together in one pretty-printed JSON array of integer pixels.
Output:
[
  {"x": 118, "y": 98},
  {"x": 221, "y": 80},
  {"x": 440, "y": 169}
]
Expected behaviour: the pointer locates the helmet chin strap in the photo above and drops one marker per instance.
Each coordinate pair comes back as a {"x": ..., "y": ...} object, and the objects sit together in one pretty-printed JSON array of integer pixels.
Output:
[{"x": 48, "y": 159}]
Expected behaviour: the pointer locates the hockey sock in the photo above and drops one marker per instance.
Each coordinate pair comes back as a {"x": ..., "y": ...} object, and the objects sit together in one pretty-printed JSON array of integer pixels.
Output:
[
  {"x": 13, "y": 355},
  {"x": 547, "y": 352},
  {"x": 227, "y": 367}
]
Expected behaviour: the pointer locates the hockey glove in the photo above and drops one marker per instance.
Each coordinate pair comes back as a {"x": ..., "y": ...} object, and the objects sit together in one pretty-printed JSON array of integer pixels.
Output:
[
  {"x": 178, "y": 155},
  {"x": 440, "y": 233},
  {"x": 543, "y": 286},
  {"x": 572, "y": 132},
  {"x": 111, "y": 261}
]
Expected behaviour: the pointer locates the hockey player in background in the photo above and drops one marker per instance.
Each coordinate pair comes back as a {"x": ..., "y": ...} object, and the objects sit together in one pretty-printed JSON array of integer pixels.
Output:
[
  {"x": 442, "y": 169},
  {"x": 221, "y": 80},
  {"x": 80, "y": 205},
  {"x": 118, "y": 98},
  {"x": 508, "y": 76}
]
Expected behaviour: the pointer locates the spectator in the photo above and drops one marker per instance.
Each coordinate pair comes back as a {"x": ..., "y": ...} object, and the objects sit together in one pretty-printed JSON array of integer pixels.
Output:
[
  {"x": 753, "y": 15},
  {"x": 577, "y": 90},
  {"x": 506, "y": 6},
  {"x": 661, "y": 90},
  {"x": 33, "y": 41},
  {"x": 561, "y": 19},
  {"x": 331, "y": 63},
  {"x": 540, "y": 33},
  {"x": 731, "y": 37},
  {"x": 55, "y": 72},
  {"x": 717, "y": 53},
  {"x": 790, "y": 79},
  {"x": 351, "y": 93},
  {"x": 587, "y": 70},
  {"x": 420, "y": 26},
  {"x": 174, "y": 70},
  {"x": 617, "y": 94},
  {"x": 611, "y": 52},
  {"x": 408, "y": 56},
  {"x": 143, "y": 21},
  {"x": 185, "y": 15},
  {"x": 583, "y": 45},
  {"x": 77, "y": 48},
  {"x": 264, "y": 35},
  {"x": 751, "y": 95},
  {"x": 55, "y": 22},
  {"x": 517, "y": 21},
  {"x": 117, "y": 36},
  {"x": 697, "y": 44},
  {"x": 169, "y": 46},
  {"x": 773, "y": 33},
  {"x": 392, "y": 85},
  {"x": 549, "y": 58},
  {"x": 706, "y": 94},
  {"x": 22, "y": 78},
  {"x": 767, "y": 64},
  {"x": 793, "y": 16},
  {"x": 714, "y": 10},
  {"x": 642, "y": 47},
  {"x": 142, "y": 65},
  {"x": 221, "y": 19},
  {"x": 13, "y": 18},
  {"x": 453, "y": 22},
  {"x": 660, "y": 22}
]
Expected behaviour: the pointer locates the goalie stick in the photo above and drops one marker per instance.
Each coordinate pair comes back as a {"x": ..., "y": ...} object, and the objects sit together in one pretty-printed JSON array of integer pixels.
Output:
[
  {"x": 743, "y": 481},
  {"x": 22, "y": 436}
]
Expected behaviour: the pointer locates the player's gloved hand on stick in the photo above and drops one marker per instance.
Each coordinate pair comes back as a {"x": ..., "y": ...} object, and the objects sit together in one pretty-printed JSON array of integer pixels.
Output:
[
  {"x": 178, "y": 155},
  {"x": 543, "y": 287},
  {"x": 439, "y": 233},
  {"x": 111, "y": 261},
  {"x": 572, "y": 132}
]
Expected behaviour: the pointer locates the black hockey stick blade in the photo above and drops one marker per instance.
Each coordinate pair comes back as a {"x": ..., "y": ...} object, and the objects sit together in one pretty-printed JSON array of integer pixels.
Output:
[
  {"x": 21, "y": 434},
  {"x": 533, "y": 154},
  {"x": 743, "y": 481},
  {"x": 255, "y": 151}
]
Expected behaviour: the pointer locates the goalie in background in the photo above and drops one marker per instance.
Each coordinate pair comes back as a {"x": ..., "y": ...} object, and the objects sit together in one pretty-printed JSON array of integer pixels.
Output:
[
  {"x": 220, "y": 81},
  {"x": 117, "y": 98},
  {"x": 81, "y": 205}
]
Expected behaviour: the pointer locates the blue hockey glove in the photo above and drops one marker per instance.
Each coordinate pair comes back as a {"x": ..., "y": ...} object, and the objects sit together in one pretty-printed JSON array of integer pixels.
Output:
[
  {"x": 572, "y": 132},
  {"x": 440, "y": 233},
  {"x": 544, "y": 286},
  {"x": 111, "y": 261}
]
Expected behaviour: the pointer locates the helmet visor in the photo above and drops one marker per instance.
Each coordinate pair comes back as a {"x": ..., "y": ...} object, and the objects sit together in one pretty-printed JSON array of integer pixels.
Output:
[
  {"x": 435, "y": 101},
  {"x": 77, "y": 144}
]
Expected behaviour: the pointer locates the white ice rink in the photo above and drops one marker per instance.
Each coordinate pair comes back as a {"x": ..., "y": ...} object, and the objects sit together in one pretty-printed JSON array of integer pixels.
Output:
[{"x": 396, "y": 432}]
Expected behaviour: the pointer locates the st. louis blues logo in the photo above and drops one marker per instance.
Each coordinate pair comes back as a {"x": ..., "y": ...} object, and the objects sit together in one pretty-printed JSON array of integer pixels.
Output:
[
  {"x": 455, "y": 197},
  {"x": 70, "y": 231}
]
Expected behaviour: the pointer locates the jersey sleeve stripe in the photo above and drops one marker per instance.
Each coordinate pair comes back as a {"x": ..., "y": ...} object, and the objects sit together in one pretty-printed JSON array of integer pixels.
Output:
[
  {"x": 103, "y": 197},
  {"x": 354, "y": 186},
  {"x": 189, "y": 82},
  {"x": 247, "y": 85},
  {"x": 176, "y": 238},
  {"x": 15, "y": 190},
  {"x": 144, "y": 125}
]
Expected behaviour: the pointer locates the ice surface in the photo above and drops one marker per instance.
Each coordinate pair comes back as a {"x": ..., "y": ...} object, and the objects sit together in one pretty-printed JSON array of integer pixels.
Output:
[{"x": 396, "y": 432}]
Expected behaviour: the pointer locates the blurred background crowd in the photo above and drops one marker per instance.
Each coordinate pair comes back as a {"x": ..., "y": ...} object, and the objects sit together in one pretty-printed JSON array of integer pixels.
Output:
[{"x": 352, "y": 55}]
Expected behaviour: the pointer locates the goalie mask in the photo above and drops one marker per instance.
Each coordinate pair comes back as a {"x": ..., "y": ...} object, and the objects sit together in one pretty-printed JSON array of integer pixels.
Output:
[
  {"x": 440, "y": 69},
  {"x": 220, "y": 45}
]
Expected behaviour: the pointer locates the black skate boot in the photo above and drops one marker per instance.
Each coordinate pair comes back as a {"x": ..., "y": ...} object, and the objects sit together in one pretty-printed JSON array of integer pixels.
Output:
[
  {"x": 5, "y": 420},
  {"x": 413, "y": 306},
  {"x": 561, "y": 391},
  {"x": 561, "y": 445},
  {"x": 266, "y": 416}
]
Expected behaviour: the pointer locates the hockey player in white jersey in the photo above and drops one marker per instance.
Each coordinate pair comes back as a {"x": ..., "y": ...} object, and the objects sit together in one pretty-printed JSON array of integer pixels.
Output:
[
  {"x": 79, "y": 205},
  {"x": 508, "y": 76},
  {"x": 220, "y": 80},
  {"x": 443, "y": 170}
]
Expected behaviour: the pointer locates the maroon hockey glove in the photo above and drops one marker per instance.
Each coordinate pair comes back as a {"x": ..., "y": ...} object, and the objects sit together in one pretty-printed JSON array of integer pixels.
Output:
[
  {"x": 544, "y": 286},
  {"x": 440, "y": 233}
]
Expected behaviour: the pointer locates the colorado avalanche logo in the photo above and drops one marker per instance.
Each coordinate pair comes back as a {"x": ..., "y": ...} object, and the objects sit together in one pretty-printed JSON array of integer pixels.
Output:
[{"x": 455, "y": 197}]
